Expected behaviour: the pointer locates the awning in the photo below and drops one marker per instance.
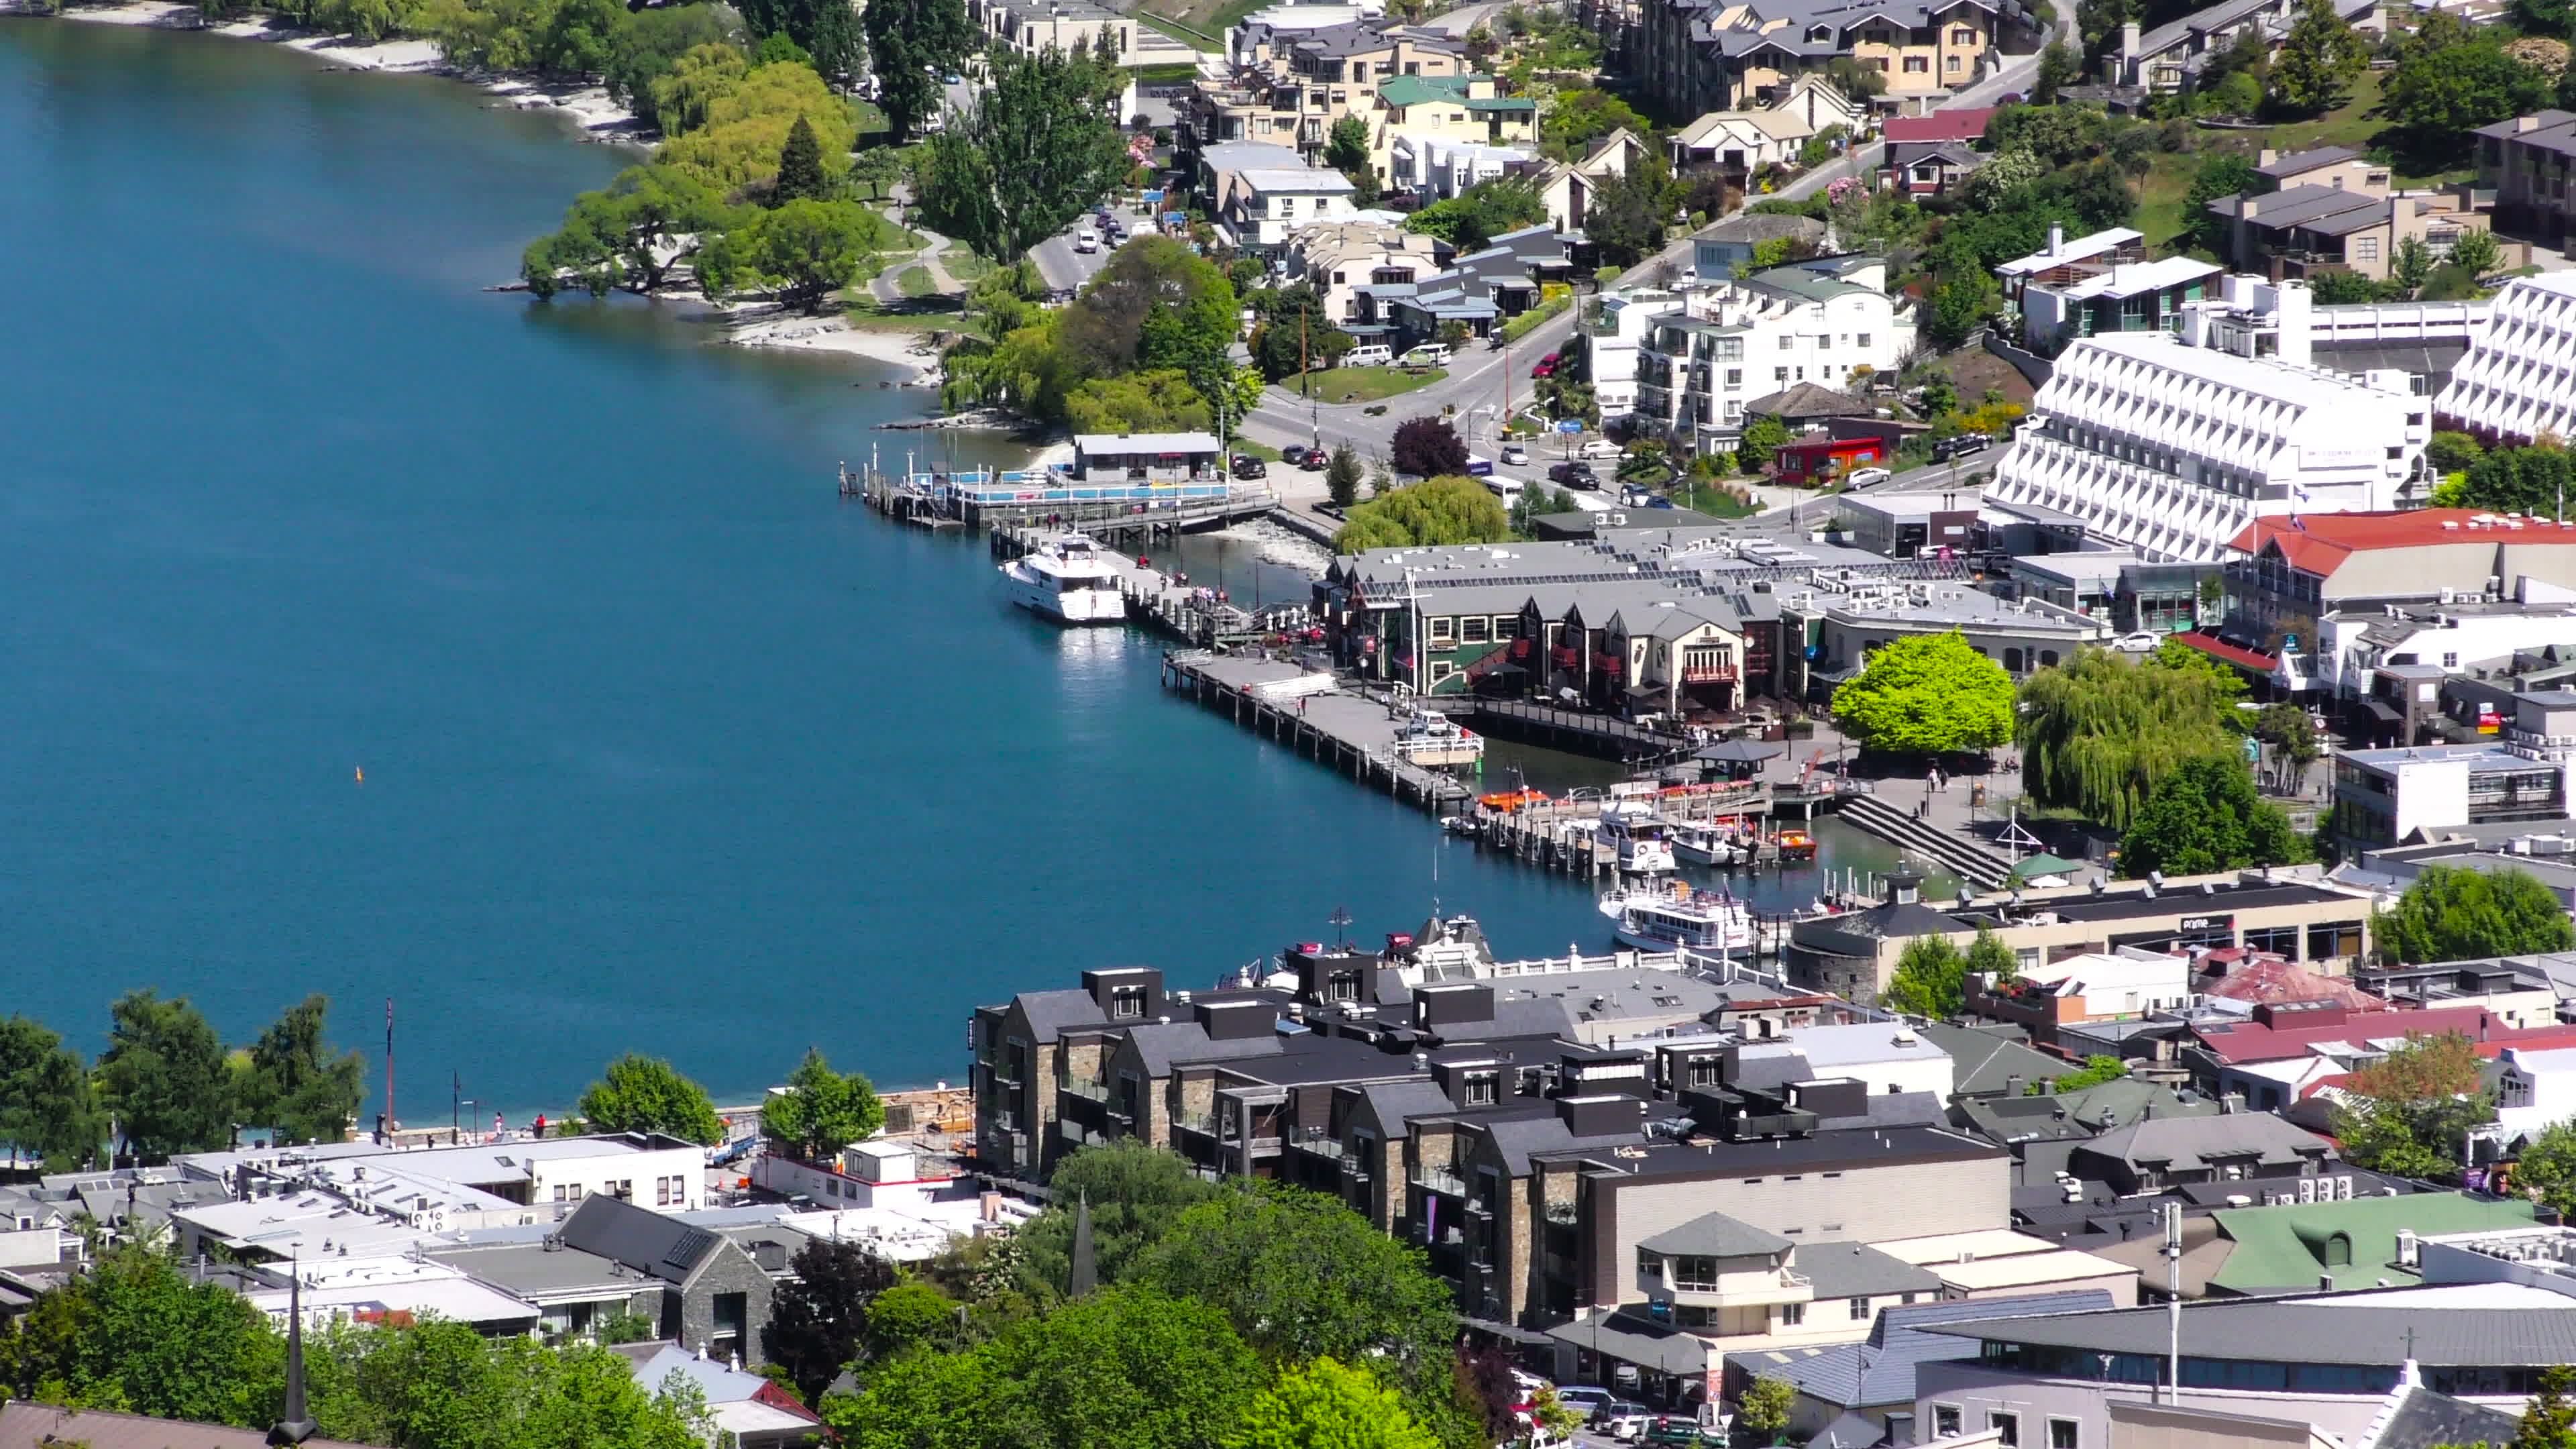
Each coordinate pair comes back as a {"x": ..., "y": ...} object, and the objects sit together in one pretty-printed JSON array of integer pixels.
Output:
[
  {"x": 1493, "y": 1328},
  {"x": 2382, "y": 712},
  {"x": 1647, "y": 1344},
  {"x": 2224, "y": 652},
  {"x": 2039, "y": 865},
  {"x": 1740, "y": 752}
]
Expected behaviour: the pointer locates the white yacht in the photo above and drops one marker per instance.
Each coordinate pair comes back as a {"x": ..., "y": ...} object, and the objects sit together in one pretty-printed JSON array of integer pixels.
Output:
[
  {"x": 1066, "y": 579},
  {"x": 1672, "y": 915},
  {"x": 1637, "y": 833},
  {"x": 1708, "y": 845},
  {"x": 1428, "y": 737}
]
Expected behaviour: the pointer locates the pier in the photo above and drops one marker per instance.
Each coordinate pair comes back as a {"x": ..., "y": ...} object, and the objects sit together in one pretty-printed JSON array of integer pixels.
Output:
[
  {"x": 987, "y": 498},
  {"x": 1598, "y": 735},
  {"x": 1307, "y": 711},
  {"x": 1195, "y": 615}
]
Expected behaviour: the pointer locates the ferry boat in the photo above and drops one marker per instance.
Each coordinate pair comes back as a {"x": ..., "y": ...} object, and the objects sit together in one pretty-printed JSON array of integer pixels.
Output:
[
  {"x": 1708, "y": 845},
  {"x": 1672, "y": 915},
  {"x": 1638, "y": 835},
  {"x": 1066, "y": 579},
  {"x": 1428, "y": 737}
]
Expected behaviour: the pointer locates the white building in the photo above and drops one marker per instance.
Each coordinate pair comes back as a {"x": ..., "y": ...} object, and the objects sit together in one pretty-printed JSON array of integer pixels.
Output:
[
  {"x": 1747, "y": 338},
  {"x": 2534, "y": 1089},
  {"x": 1624, "y": 320},
  {"x": 2153, "y": 443},
  {"x": 2098, "y": 985},
  {"x": 1888, "y": 1056},
  {"x": 1265, "y": 206},
  {"x": 2518, "y": 380},
  {"x": 1437, "y": 168},
  {"x": 2386, "y": 797}
]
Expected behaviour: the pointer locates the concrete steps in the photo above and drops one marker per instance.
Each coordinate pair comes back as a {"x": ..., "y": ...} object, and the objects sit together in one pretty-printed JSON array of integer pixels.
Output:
[{"x": 1952, "y": 850}]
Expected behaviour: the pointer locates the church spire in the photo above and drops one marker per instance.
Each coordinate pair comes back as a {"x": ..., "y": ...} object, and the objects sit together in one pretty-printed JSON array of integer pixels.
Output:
[
  {"x": 294, "y": 1425},
  {"x": 1086, "y": 1266}
]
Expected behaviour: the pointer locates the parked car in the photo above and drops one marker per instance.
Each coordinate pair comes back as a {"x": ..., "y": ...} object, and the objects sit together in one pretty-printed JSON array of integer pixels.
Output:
[
  {"x": 1515, "y": 456},
  {"x": 1247, "y": 466},
  {"x": 1315, "y": 459},
  {"x": 1601, "y": 448},
  {"x": 2142, "y": 642},
  {"x": 1868, "y": 477},
  {"x": 1959, "y": 446},
  {"x": 1293, "y": 454},
  {"x": 1584, "y": 1399},
  {"x": 1622, "y": 1419},
  {"x": 1544, "y": 367},
  {"x": 1429, "y": 354},
  {"x": 1576, "y": 474},
  {"x": 1672, "y": 1431}
]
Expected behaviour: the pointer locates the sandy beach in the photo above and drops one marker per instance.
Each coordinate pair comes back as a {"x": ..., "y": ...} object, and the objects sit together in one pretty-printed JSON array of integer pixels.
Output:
[{"x": 907, "y": 350}]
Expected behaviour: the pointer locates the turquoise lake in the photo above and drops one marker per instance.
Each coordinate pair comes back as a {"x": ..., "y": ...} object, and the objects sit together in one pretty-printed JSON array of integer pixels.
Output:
[{"x": 665, "y": 748}]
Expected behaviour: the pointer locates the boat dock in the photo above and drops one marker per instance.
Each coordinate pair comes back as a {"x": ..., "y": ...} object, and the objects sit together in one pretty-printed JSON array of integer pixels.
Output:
[
  {"x": 988, "y": 498},
  {"x": 1582, "y": 734},
  {"x": 1308, "y": 712},
  {"x": 1195, "y": 615}
]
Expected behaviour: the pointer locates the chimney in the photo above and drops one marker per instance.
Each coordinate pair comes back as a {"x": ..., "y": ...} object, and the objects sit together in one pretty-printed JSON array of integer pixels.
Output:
[
  {"x": 2056, "y": 238},
  {"x": 2266, "y": 156},
  {"x": 2013, "y": 1086},
  {"x": 1904, "y": 887},
  {"x": 2245, "y": 208},
  {"x": 2129, "y": 39},
  {"x": 2525, "y": 123}
]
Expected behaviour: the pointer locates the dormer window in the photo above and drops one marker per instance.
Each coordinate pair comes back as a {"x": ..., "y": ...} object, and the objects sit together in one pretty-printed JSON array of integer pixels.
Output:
[
  {"x": 1126, "y": 1003},
  {"x": 1480, "y": 1088},
  {"x": 1819, "y": 34}
]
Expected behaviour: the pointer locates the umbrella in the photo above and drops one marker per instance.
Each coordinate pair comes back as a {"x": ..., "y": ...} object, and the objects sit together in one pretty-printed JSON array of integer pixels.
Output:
[
  {"x": 1740, "y": 752},
  {"x": 2039, "y": 865}
]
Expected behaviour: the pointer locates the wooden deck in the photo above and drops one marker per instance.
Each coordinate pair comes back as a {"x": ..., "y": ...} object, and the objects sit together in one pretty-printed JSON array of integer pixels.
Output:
[{"x": 1284, "y": 701}]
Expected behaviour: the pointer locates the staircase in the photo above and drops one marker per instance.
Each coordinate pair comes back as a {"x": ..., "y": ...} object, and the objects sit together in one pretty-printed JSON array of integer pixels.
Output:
[{"x": 1951, "y": 849}]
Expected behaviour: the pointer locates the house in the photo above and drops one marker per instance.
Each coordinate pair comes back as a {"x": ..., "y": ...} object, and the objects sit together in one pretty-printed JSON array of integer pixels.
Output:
[
  {"x": 744, "y": 1409},
  {"x": 714, "y": 1297},
  {"x": 2063, "y": 263},
  {"x": 2139, "y": 297},
  {"x": 2337, "y": 168},
  {"x": 1293, "y": 71},
  {"x": 1147, "y": 457},
  {"x": 2301, "y": 230},
  {"x": 1992, "y": 1061},
  {"x": 1748, "y": 1290},
  {"x": 2091, "y": 986},
  {"x": 1960, "y": 125},
  {"x": 2516, "y": 989},
  {"x": 1339, "y": 259},
  {"x": 2525, "y": 161},
  {"x": 1927, "y": 168},
  {"x": 1908, "y": 525},
  {"x": 1265, "y": 206},
  {"x": 2346, "y": 1243},
  {"x": 1461, "y": 109},
  {"x": 1738, "y": 145},
  {"x": 2169, "y": 58},
  {"x": 2003, "y": 1263},
  {"x": 2385, "y": 796},
  {"x": 1694, "y": 56},
  {"x": 2042, "y": 1131},
  {"x": 1819, "y": 457},
  {"x": 1565, "y": 187},
  {"x": 1843, "y": 626},
  {"x": 1434, "y": 169},
  {"x": 2159, "y": 445},
  {"x": 1722, "y": 249},
  {"x": 1068, "y": 26}
]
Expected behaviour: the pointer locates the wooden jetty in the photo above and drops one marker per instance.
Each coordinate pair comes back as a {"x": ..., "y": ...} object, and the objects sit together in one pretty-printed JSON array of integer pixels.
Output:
[
  {"x": 1577, "y": 733},
  {"x": 1124, "y": 514},
  {"x": 1307, "y": 711}
]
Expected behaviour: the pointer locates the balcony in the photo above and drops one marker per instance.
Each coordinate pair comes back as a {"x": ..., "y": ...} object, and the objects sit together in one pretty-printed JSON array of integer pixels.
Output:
[
  {"x": 1707, "y": 673},
  {"x": 1200, "y": 1122},
  {"x": 1096, "y": 1091},
  {"x": 1439, "y": 1180},
  {"x": 1322, "y": 1144},
  {"x": 1559, "y": 1212}
]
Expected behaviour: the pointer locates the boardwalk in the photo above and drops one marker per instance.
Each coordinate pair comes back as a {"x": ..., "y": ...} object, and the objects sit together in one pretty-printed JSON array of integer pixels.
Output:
[{"x": 1307, "y": 711}]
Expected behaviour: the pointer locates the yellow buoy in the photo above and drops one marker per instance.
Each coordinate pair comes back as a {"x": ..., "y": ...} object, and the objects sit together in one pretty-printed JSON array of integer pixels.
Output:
[{"x": 362, "y": 774}]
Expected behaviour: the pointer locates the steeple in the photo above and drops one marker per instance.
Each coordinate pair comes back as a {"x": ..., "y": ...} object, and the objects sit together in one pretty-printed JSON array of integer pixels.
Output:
[
  {"x": 294, "y": 1424},
  {"x": 1086, "y": 1267}
]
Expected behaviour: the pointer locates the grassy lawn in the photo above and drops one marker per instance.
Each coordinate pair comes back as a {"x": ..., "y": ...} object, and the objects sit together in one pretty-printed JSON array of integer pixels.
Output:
[
  {"x": 2161, "y": 195},
  {"x": 915, "y": 281},
  {"x": 1188, "y": 31},
  {"x": 1360, "y": 384},
  {"x": 932, "y": 314},
  {"x": 1716, "y": 503},
  {"x": 1258, "y": 450},
  {"x": 2351, "y": 125},
  {"x": 965, "y": 266}
]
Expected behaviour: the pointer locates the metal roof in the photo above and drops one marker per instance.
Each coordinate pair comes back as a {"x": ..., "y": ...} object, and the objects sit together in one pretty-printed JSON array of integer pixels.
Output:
[{"x": 2319, "y": 1328}]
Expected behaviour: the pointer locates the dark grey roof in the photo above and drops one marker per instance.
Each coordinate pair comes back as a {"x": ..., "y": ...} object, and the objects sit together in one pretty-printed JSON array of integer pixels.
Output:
[
  {"x": 2317, "y": 208},
  {"x": 2298, "y": 161},
  {"x": 1050, "y": 1012},
  {"x": 1880, "y": 1371},
  {"x": 1163, "y": 1046},
  {"x": 1810, "y": 400},
  {"x": 1766, "y": 1069},
  {"x": 2319, "y": 1328},
  {"x": 1716, "y": 1235},
  {"x": 1850, "y": 1431},
  {"x": 1759, "y": 226},
  {"x": 1396, "y": 1102},
  {"x": 642, "y": 1239},
  {"x": 1985, "y": 1059},
  {"x": 1516, "y": 1138},
  {"x": 1856, "y": 1270},
  {"x": 2189, "y": 1142},
  {"x": 534, "y": 1271},
  {"x": 2423, "y": 1419},
  {"x": 1640, "y": 1341}
]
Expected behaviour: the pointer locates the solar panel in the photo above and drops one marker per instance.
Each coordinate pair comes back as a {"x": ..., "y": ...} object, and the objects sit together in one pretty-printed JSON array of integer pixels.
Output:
[{"x": 686, "y": 1247}]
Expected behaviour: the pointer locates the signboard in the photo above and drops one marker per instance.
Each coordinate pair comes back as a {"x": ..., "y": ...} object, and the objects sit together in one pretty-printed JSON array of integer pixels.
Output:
[
  {"x": 1570, "y": 425},
  {"x": 2206, "y": 923},
  {"x": 2312, "y": 457}
]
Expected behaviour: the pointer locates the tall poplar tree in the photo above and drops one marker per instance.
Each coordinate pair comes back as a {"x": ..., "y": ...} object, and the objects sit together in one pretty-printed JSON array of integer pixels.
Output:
[{"x": 913, "y": 44}]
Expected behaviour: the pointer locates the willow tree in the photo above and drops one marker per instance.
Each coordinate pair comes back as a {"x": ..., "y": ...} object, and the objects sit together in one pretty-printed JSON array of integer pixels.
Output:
[{"x": 2098, "y": 734}]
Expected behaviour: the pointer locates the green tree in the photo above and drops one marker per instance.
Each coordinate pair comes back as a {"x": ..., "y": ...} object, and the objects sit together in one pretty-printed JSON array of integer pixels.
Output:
[
  {"x": 650, "y": 46},
  {"x": 2412, "y": 266},
  {"x": 2546, "y": 1167},
  {"x": 913, "y": 44},
  {"x": 2531, "y": 480},
  {"x": 48, "y": 1107},
  {"x": 1959, "y": 308},
  {"x": 2451, "y": 452},
  {"x": 2451, "y": 914},
  {"x": 1930, "y": 694},
  {"x": 2409, "y": 1112},
  {"x": 2550, "y": 1420},
  {"x": 295, "y": 1083},
  {"x": 1765, "y": 1405},
  {"x": 684, "y": 91},
  {"x": 1448, "y": 509},
  {"x": 1302, "y": 1276},
  {"x": 1346, "y": 149},
  {"x": 1040, "y": 144},
  {"x": 1481, "y": 212},
  {"x": 2205, "y": 817},
  {"x": 2219, "y": 174},
  {"x": 1626, "y": 216},
  {"x": 1323, "y": 1405},
  {"x": 2059, "y": 67},
  {"x": 800, "y": 168},
  {"x": 1342, "y": 476},
  {"x": 133, "y": 1334},
  {"x": 1428, "y": 447},
  {"x": 1136, "y": 1192},
  {"x": 1294, "y": 333},
  {"x": 2097, "y": 1070},
  {"x": 2438, "y": 97},
  {"x": 822, "y": 1111},
  {"x": 1129, "y": 1367},
  {"x": 2477, "y": 251},
  {"x": 2099, "y": 734},
  {"x": 747, "y": 121},
  {"x": 1759, "y": 442},
  {"x": 1988, "y": 956},
  {"x": 646, "y": 1094},
  {"x": 911, "y": 1314},
  {"x": 1158, "y": 401},
  {"x": 802, "y": 252},
  {"x": 2319, "y": 61},
  {"x": 165, "y": 1078},
  {"x": 1930, "y": 979},
  {"x": 2292, "y": 735},
  {"x": 821, "y": 33},
  {"x": 819, "y": 1316}
]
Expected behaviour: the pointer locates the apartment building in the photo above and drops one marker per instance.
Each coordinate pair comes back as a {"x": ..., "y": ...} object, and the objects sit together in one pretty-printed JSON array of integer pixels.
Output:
[
  {"x": 1741, "y": 339},
  {"x": 2169, "y": 58},
  {"x": 1833, "y": 631},
  {"x": 1338, "y": 258},
  {"x": 2306, "y": 229},
  {"x": 2513, "y": 385},
  {"x": 2526, "y": 162},
  {"x": 2157, "y": 443},
  {"x": 1066, "y": 26},
  {"x": 1695, "y": 56},
  {"x": 2390, "y": 796},
  {"x": 1287, "y": 83}
]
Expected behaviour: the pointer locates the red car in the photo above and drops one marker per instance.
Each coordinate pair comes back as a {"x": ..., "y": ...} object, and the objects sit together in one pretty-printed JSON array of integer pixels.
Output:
[{"x": 1546, "y": 368}]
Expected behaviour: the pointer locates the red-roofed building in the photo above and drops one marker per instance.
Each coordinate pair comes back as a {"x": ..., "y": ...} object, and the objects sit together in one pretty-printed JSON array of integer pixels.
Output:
[
  {"x": 1967, "y": 125},
  {"x": 2291, "y": 1048},
  {"x": 2259, "y": 978},
  {"x": 2287, "y": 573}
]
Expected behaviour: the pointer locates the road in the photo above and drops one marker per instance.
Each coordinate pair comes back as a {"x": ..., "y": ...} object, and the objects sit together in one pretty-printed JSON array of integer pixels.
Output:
[{"x": 1066, "y": 269}]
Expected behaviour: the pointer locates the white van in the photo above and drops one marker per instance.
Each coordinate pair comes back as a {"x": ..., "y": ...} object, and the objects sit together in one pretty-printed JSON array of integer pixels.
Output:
[
  {"x": 1372, "y": 354},
  {"x": 1429, "y": 354},
  {"x": 1506, "y": 489}
]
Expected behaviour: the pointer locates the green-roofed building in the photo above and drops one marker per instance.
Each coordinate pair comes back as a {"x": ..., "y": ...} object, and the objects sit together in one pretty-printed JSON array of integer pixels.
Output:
[{"x": 2297, "y": 1246}]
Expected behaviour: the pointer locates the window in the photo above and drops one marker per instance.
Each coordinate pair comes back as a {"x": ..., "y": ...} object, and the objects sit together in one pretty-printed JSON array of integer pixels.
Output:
[
  {"x": 1963, "y": 35},
  {"x": 1792, "y": 1314},
  {"x": 1126, "y": 1001},
  {"x": 1703, "y": 1071},
  {"x": 1443, "y": 627},
  {"x": 1861, "y": 341},
  {"x": 1473, "y": 629},
  {"x": 2365, "y": 249},
  {"x": 1483, "y": 1088},
  {"x": 1950, "y": 63},
  {"x": 2007, "y": 1427},
  {"x": 2335, "y": 938},
  {"x": 1779, "y": 374},
  {"x": 661, "y": 1192},
  {"x": 1945, "y": 1420},
  {"x": 1917, "y": 64},
  {"x": 1441, "y": 669},
  {"x": 2450, "y": 661},
  {"x": 2048, "y": 659},
  {"x": 2061, "y": 1434},
  {"x": 1735, "y": 377},
  {"x": 1859, "y": 1309},
  {"x": 1787, "y": 342},
  {"x": 1692, "y": 1274}
]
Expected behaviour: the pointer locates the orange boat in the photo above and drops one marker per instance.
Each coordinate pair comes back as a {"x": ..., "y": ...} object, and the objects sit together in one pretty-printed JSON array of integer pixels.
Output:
[
  {"x": 1797, "y": 845},
  {"x": 1510, "y": 800}
]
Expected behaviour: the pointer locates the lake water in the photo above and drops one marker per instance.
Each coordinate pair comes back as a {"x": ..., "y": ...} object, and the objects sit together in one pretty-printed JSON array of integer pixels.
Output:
[{"x": 664, "y": 747}]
